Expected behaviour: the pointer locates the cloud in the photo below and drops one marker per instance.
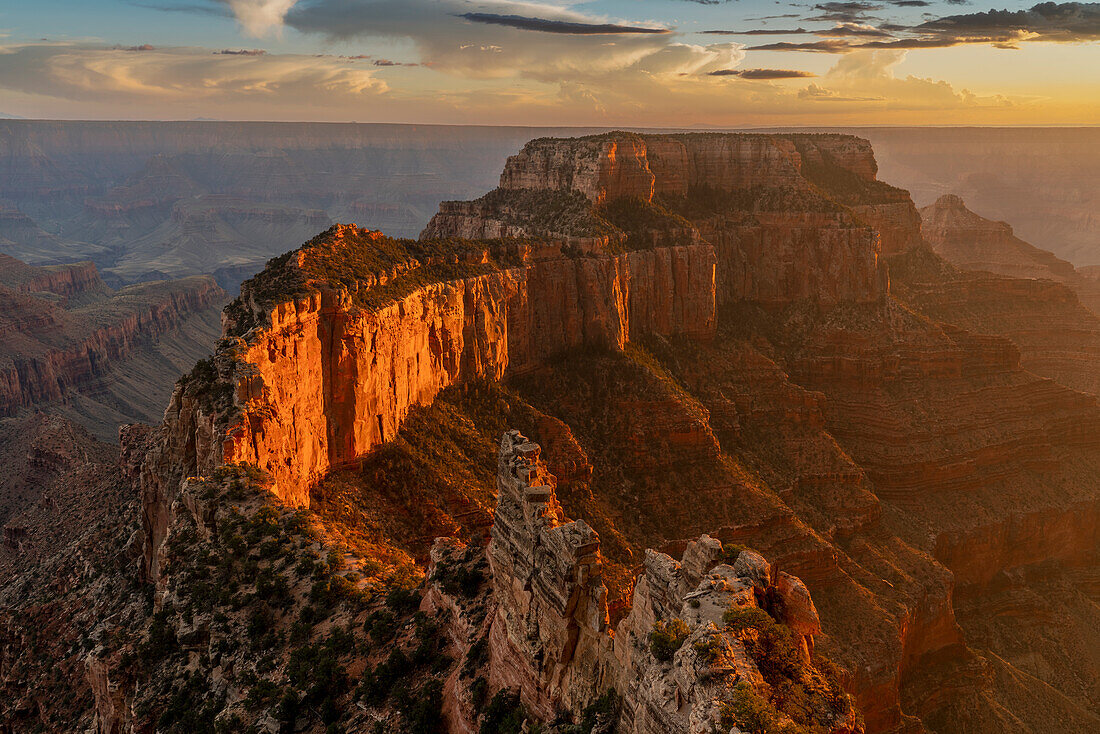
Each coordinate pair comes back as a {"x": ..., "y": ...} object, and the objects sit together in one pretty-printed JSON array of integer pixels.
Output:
[
  {"x": 763, "y": 74},
  {"x": 856, "y": 30},
  {"x": 166, "y": 77},
  {"x": 859, "y": 30},
  {"x": 759, "y": 32},
  {"x": 832, "y": 46},
  {"x": 260, "y": 17},
  {"x": 241, "y": 52},
  {"x": 820, "y": 94},
  {"x": 558, "y": 26},
  {"x": 844, "y": 11},
  {"x": 873, "y": 74},
  {"x": 1050, "y": 22},
  {"x": 507, "y": 43},
  {"x": 775, "y": 17},
  {"x": 1057, "y": 22}
]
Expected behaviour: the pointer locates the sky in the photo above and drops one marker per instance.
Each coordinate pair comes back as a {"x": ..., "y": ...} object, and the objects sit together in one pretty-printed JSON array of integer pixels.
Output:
[{"x": 631, "y": 63}]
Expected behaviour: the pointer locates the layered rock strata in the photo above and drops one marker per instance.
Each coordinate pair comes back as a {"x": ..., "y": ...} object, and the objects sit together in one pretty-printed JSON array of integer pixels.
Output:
[
  {"x": 972, "y": 242},
  {"x": 62, "y": 330},
  {"x": 550, "y": 639},
  {"x": 809, "y": 249},
  {"x": 856, "y": 441}
]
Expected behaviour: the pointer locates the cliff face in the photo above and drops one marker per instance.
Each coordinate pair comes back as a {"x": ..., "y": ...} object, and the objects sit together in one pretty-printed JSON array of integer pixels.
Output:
[
  {"x": 328, "y": 380},
  {"x": 75, "y": 283},
  {"x": 750, "y": 196}
]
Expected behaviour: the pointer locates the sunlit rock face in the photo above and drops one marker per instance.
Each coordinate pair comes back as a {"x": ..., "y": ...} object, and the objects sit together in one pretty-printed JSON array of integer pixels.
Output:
[{"x": 752, "y": 197}]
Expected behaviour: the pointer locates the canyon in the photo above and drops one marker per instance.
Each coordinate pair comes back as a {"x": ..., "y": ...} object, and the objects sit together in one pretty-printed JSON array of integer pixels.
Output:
[
  {"x": 747, "y": 376},
  {"x": 73, "y": 346}
]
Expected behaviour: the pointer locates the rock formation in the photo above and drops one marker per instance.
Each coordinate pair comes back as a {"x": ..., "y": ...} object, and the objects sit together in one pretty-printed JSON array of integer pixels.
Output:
[
  {"x": 689, "y": 656},
  {"x": 777, "y": 239},
  {"x": 974, "y": 243},
  {"x": 67, "y": 338},
  {"x": 1002, "y": 285},
  {"x": 550, "y": 637},
  {"x": 369, "y": 366}
]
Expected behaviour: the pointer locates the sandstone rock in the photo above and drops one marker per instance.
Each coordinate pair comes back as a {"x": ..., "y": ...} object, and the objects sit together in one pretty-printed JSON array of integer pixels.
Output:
[
  {"x": 550, "y": 635},
  {"x": 753, "y": 567},
  {"x": 797, "y": 608}
]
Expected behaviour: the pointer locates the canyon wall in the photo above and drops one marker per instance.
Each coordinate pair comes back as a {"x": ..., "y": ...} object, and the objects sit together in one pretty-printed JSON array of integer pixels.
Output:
[
  {"x": 326, "y": 380},
  {"x": 866, "y": 446},
  {"x": 809, "y": 249},
  {"x": 62, "y": 331}
]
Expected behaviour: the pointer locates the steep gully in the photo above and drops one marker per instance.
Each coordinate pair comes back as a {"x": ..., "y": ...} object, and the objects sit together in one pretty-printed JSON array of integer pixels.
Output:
[{"x": 326, "y": 381}]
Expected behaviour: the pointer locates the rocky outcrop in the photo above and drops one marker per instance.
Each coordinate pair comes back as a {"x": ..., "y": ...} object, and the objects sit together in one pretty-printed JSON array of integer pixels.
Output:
[
  {"x": 972, "y": 242},
  {"x": 73, "y": 283},
  {"x": 550, "y": 638},
  {"x": 691, "y": 654}
]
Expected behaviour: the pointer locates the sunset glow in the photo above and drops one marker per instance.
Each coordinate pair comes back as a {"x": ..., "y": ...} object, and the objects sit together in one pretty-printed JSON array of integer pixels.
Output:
[{"x": 607, "y": 62}]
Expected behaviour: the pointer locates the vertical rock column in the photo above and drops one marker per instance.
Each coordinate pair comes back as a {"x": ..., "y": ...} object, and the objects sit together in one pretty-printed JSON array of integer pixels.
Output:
[{"x": 550, "y": 635}]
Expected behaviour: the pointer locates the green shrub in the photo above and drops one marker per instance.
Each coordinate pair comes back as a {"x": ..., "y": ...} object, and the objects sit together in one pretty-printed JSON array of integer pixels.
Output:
[
  {"x": 749, "y": 712},
  {"x": 505, "y": 714},
  {"x": 739, "y": 619},
  {"x": 667, "y": 638}
]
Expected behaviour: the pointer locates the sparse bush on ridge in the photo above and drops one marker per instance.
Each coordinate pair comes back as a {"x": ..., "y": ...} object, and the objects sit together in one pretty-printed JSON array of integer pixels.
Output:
[{"x": 667, "y": 637}]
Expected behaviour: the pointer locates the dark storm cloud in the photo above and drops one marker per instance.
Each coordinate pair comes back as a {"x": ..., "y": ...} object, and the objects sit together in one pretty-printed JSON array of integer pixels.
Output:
[
  {"x": 763, "y": 73},
  {"x": 558, "y": 26},
  {"x": 1051, "y": 22},
  {"x": 775, "y": 17}
]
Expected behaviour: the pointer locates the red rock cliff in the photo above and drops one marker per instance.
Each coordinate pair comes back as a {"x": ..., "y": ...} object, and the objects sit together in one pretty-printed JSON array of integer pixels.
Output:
[{"x": 329, "y": 376}]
